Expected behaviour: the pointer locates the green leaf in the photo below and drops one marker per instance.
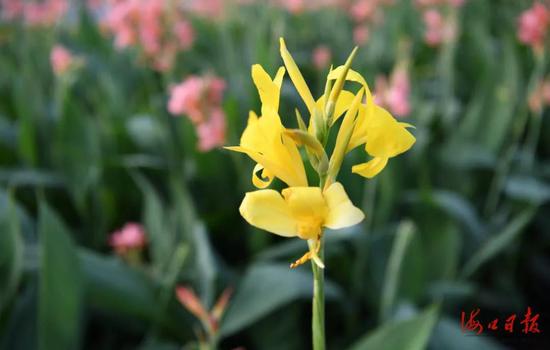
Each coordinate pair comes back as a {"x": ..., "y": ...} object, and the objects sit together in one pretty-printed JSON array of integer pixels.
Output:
[
  {"x": 448, "y": 335},
  {"x": 60, "y": 291},
  {"x": 393, "y": 268},
  {"x": 78, "y": 152},
  {"x": 264, "y": 288},
  {"x": 30, "y": 177},
  {"x": 114, "y": 287},
  {"x": 496, "y": 243},
  {"x": 11, "y": 251},
  {"x": 161, "y": 239},
  {"x": 528, "y": 189},
  {"x": 410, "y": 334}
]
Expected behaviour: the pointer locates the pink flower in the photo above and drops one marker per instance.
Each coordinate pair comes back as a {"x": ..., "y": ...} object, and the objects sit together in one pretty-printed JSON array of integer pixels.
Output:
[
  {"x": 533, "y": 25},
  {"x": 206, "y": 8},
  {"x": 395, "y": 97},
  {"x": 200, "y": 99},
  {"x": 361, "y": 34},
  {"x": 211, "y": 133},
  {"x": 363, "y": 10},
  {"x": 293, "y": 6},
  {"x": 44, "y": 13},
  {"x": 156, "y": 27},
  {"x": 321, "y": 57},
  {"x": 185, "y": 33},
  {"x": 60, "y": 59},
  {"x": 185, "y": 98},
  {"x": 435, "y": 27},
  {"x": 131, "y": 236},
  {"x": 11, "y": 9}
]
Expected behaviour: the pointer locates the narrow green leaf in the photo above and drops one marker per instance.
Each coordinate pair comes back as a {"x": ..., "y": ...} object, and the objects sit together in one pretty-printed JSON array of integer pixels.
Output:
[
  {"x": 161, "y": 239},
  {"x": 528, "y": 189},
  {"x": 11, "y": 251},
  {"x": 60, "y": 292},
  {"x": 410, "y": 334},
  {"x": 448, "y": 335},
  {"x": 264, "y": 288},
  {"x": 402, "y": 238},
  {"x": 496, "y": 243}
]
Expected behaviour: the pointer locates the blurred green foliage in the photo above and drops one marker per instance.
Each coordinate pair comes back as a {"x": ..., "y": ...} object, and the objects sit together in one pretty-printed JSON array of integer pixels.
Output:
[{"x": 462, "y": 221}]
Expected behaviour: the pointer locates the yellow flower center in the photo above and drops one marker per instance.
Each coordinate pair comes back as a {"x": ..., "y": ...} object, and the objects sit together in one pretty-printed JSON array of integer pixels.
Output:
[{"x": 309, "y": 228}]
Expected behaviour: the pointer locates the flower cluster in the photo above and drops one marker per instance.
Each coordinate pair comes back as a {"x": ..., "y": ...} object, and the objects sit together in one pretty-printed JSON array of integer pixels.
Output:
[
  {"x": 301, "y": 210},
  {"x": 200, "y": 99},
  {"x": 533, "y": 26},
  {"x": 440, "y": 26},
  {"x": 366, "y": 14},
  {"x": 158, "y": 28},
  {"x": 34, "y": 13},
  {"x": 394, "y": 95}
]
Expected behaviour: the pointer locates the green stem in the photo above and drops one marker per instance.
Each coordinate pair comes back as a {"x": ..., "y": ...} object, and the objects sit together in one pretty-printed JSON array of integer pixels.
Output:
[{"x": 318, "y": 317}]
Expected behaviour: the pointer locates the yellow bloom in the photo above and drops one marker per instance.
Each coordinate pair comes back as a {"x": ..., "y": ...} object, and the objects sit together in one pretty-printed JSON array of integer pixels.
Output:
[
  {"x": 263, "y": 139},
  {"x": 300, "y": 211},
  {"x": 384, "y": 137}
]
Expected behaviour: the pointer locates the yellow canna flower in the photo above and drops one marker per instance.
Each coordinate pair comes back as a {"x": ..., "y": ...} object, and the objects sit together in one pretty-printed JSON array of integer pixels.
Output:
[
  {"x": 264, "y": 140},
  {"x": 384, "y": 137},
  {"x": 300, "y": 211}
]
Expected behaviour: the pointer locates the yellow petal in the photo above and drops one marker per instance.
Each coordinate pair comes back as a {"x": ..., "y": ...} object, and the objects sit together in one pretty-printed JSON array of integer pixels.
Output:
[
  {"x": 344, "y": 136},
  {"x": 309, "y": 209},
  {"x": 279, "y": 77},
  {"x": 386, "y": 137},
  {"x": 341, "y": 211},
  {"x": 371, "y": 168},
  {"x": 267, "y": 210},
  {"x": 259, "y": 182},
  {"x": 359, "y": 135},
  {"x": 305, "y": 202},
  {"x": 268, "y": 90},
  {"x": 287, "y": 175},
  {"x": 297, "y": 77},
  {"x": 351, "y": 76}
]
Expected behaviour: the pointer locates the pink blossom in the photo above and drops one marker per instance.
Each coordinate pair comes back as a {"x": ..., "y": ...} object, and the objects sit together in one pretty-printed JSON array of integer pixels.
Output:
[
  {"x": 361, "y": 34},
  {"x": 156, "y": 27},
  {"x": 60, "y": 59},
  {"x": 11, "y": 9},
  {"x": 293, "y": 6},
  {"x": 394, "y": 96},
  {"x": 435, "y": 27},
  {"x": 185, "y": 98},
  {"x": 321, "y": 57},
  {"x": 200, "y": 99},
  {"x": 206, "y": 8},
  {"x": 43, "y": 13},
  {"x": 185, "y": 33},
  {"x": 533, "y": 25},
  {"x": 211, "y": 133},
  {"x": 363, "y": 10},
  {"x": 131, "y": 236}
]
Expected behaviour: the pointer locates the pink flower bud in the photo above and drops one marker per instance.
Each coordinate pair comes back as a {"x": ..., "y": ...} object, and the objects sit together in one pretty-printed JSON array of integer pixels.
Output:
[{"x": 60, "y": 59}]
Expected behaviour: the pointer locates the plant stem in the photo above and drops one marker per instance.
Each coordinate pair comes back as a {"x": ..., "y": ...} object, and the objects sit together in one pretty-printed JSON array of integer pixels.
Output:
[{"x": 318, "y": 316}]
